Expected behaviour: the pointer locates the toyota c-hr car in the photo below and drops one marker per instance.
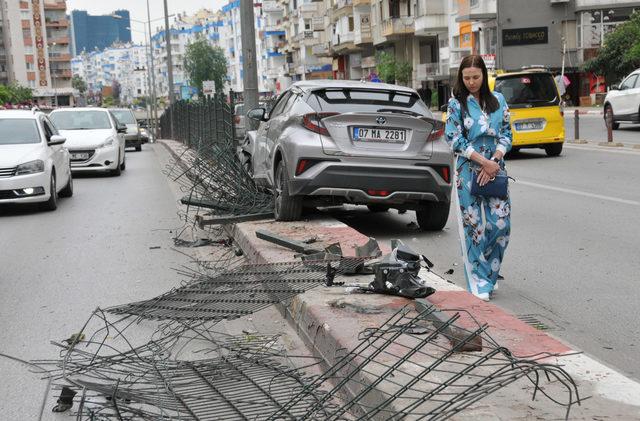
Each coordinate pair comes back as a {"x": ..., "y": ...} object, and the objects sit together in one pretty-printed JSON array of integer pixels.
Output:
[
  {"x": 622, "y": 102},
  {"x": 34, "y": 166},
  {"x": 133, "y": 137},
  {"x": 334, "y": 142},
  {"x": 95, "y": 138}
]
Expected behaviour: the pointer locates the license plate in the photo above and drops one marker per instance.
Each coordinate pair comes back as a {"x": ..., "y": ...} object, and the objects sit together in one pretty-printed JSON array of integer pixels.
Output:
[
  {"x": 369, "y": 134},
  {"x": 529, "y": 126},
  {"x": 80, "y": 156}
]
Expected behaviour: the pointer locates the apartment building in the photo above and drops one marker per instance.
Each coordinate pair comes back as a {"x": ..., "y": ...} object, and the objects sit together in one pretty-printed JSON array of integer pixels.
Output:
[
  {"x": 184, "y": 29},
  {"x": 36, "y": 49},
  {"x": 91, "y": 32}
]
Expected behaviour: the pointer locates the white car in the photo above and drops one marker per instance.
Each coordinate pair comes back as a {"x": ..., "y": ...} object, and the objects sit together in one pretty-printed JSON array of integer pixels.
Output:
[
  {"x": 622, "y": 102},
  {"x": 34, "y": 166},
  {"x": 95, "y": 138}
]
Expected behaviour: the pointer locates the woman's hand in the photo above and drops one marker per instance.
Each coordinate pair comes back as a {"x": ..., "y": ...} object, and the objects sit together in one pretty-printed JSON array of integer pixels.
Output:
[{"x": 488, "y": 172}]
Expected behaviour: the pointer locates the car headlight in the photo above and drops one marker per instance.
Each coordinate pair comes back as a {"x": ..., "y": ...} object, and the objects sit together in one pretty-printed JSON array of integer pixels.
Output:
[
  {"x": 107, "y": 143},
  {"x": 30, "y": 167}
]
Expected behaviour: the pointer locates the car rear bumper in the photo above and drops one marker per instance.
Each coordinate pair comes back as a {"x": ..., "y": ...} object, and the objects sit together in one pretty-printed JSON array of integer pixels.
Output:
[
  {"x": 354, "y": 183},
  {"x": 10, "y": 188}
]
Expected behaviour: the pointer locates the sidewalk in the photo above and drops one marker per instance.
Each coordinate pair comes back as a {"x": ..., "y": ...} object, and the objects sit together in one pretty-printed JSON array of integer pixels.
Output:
[{"x": 328, "y": 320}]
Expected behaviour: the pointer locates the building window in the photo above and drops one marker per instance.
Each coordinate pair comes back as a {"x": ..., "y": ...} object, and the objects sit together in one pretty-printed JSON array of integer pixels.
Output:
[
  {"x": 474, "y": 3},
  {"x": 350, "y": 23},
  {"x": 307, "y": 24},
  {"x": 394, "y": 8}
]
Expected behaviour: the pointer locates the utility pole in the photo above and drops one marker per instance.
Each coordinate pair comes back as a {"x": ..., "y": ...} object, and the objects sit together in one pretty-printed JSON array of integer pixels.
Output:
[
  {"x": 499, "y": 61},
  {"x": 154, "y": 105},
  {"x": 169, "y": 66},
  {"x": 249, "y": 62}
]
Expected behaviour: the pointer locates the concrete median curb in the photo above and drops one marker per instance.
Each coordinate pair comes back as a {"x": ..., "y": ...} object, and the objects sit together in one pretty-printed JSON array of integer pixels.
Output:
[{"x": 328, "y": 320}]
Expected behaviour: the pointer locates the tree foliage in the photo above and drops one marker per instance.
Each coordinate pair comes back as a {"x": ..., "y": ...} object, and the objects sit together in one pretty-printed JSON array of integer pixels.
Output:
[
  {"x": 392, "y": 71},
  {"x": 204, "y": 62},
  {"x": 15, "y": 94},
  {"x": 116, "y": 90},
  {"x": 620, "y": 53},
  {"x": 78, "y": 83},
  {"x": 108, "y": 101}
]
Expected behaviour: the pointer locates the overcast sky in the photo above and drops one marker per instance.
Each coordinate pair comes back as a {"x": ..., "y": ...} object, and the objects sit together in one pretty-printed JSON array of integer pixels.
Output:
[{"x": 138, "y": 9}]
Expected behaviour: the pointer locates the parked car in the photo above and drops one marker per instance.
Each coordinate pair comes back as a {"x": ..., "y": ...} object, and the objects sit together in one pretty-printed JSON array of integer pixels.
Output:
[
  {"x": 622, "y": 103},
  {"x": 34, "y": 165},
  {"x": 239, "y": 114},
  {"x": 145, "y": 133},
  {"x": 537, "y": 117},
  {"x": 333, "y": 142},
  {"x": 95, "y": 138},
  {"x": 132, "y": 137}
]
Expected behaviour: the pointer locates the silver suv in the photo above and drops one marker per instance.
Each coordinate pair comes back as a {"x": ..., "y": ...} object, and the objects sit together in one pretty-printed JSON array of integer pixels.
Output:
[{"x": 332, "y": 142}]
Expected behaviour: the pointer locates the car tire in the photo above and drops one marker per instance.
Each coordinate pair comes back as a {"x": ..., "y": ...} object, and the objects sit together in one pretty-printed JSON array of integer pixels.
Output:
[
  {"x": 118, "y": 170},
  {"x": 609, "y": 116},
  {"x": 68, "y": 189},
  {"x": 378, "y": 208},
  {"x": 433, "y": 216},
  {"x": 123, "y": 166},
  {"x": 553, "y": 149},
  {"x": 52, "y": 203},
  {"x": 286, "y": 207},
  {"x": 139, "y": 147},
  {"x": 246, "y": 164}
]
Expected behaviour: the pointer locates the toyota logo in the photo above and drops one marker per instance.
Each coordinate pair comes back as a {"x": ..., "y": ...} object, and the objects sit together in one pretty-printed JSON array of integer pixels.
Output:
[{"x": 381, "y": 120}]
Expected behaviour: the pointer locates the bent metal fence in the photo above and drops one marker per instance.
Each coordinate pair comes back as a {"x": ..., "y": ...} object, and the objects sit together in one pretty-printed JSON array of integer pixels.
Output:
[{"x": 210, "y": 120}]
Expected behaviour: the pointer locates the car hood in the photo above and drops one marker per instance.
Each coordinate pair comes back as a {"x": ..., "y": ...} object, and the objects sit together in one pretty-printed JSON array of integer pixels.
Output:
[
  {"x": 77, "y": 139},
  {"x": 12, "y": 155}
]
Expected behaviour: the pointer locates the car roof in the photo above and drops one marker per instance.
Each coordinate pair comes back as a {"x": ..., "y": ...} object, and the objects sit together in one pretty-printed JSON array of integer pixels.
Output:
[
  {"x": 120, "y": 109},
  {"x": 26, "y": 114},
  {"x": 522, "y": 73},
  {"x": 80, "y": 109},
  {"x": 312, "y": 85}
]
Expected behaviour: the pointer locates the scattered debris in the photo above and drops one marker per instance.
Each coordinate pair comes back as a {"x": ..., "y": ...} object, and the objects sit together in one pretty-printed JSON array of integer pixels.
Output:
[
  {"x": 155, "y": 247},
  {"x": 200, "y": 242},
  {"x": 65, "y": 401},
  {"x": 449, "y": 272}
]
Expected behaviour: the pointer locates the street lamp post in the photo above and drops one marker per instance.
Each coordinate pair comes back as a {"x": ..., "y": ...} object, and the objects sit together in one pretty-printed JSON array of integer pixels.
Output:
[
  {"x": 149, "y": 73},
  {"x": 169, "y": 64}
]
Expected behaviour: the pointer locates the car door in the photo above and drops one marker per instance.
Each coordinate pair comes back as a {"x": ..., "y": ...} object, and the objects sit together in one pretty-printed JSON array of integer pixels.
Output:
[
  {"x": 260, "y": 160},
  {"x": 120, "y": 136},
  {"x": 625, "y": 99},
  {"x": 276, "y": 129},
  {"x": 57, "y": 154}
]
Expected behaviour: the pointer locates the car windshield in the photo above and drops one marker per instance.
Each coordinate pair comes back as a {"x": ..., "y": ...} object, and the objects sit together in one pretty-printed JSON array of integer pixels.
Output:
[
  {"x": 124, "y": 116},
  {"x": 80, "y": 120},
  {"x": 18, "y": 131},
  {"x": 528, "y": 90},
  {"x": 344, "y": 100}
]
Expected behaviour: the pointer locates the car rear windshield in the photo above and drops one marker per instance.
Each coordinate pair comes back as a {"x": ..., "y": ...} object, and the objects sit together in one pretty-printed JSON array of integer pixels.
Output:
[
  {"x": 530, "y": 90},
  {"x": 344, "y": 100},
  {"x": 17, "y": 131},
  {"x": 124, "y": 116},
  {"x": 80, "y": 120}
]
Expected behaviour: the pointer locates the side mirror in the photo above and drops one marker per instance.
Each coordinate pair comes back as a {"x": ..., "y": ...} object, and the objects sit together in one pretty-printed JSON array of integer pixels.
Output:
[
  {"x": 56, "y": 139},
  {"x": 443, "y": 108},
  {"x": 615, "y": 88},
  {"x": 121, "y": 128},
  {"x": 257, "y": 114}
]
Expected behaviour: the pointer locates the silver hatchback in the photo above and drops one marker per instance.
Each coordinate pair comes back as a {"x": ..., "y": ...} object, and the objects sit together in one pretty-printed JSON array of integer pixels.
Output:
[{"x": 328, "y": 142}]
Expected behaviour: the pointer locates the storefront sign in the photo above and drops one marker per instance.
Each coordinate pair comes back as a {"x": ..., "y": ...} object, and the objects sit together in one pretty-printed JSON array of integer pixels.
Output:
[
  {"x": 525, "y": 36},
  {"x": 365, "y": 26},
  {"x": 489, "y": 61}
]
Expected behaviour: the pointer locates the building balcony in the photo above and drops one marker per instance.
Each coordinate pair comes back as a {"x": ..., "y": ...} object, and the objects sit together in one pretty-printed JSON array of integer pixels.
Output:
[
  {"x": 322, "y": 49},
  {"x": 58, "y": 41},
  {"x": 430, "y": 24},
  {"x": 398, "y": 26},
  {"x": 58, "y": 5},
  {"x": 361, "y": 3},
  {"x": 342, "y": 8},
  {"x": 63, "y": 74},
  {"x": 59, "y": 57},
  {"x": 271, "y": 6},
  {"x": 62, "y": 23},
  {"x": 343, "y": 43}
]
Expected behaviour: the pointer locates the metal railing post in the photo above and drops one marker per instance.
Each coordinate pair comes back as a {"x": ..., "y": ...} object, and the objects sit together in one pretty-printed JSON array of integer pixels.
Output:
[{"x": 576, "y": 125}]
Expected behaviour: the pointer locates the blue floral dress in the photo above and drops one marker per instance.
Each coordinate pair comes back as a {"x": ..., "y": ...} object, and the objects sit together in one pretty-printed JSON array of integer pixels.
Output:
[{"x": 484, "y": 224}]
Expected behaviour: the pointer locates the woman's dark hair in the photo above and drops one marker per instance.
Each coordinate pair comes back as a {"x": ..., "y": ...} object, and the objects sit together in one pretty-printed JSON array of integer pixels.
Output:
[{"x": 487, "y": 101}]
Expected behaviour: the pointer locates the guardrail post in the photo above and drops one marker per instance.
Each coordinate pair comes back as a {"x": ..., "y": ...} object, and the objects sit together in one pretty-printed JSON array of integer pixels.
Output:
[{"x": 576, "y": 125}]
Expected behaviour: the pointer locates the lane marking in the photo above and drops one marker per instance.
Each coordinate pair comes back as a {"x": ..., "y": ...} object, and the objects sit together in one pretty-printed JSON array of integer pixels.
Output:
[
  {"x": 591, "y": 147},
  {"x": 579, "y": 193}
]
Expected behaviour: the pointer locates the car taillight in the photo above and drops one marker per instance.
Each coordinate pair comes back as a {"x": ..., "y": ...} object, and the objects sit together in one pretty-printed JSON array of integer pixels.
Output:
[
  {"x": 437, "y": 131},
  {"x": 313, "y": 122},
  {"x": 381, "y": 193}
]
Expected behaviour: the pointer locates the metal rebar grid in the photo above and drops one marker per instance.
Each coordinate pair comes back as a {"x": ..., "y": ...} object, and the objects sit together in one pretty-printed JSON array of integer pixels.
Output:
[
  {"x": 189, "y": 372},
  {"x": 239, "y": 292},
  {"x": 408, "y": 369}
]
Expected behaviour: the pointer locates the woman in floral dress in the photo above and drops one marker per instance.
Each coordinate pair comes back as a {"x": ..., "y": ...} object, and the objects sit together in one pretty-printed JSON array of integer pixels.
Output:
[{"x": 479, "y": 133}]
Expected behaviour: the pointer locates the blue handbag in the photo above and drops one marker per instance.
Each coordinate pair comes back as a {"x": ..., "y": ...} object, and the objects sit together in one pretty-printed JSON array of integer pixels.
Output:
[{"x": 498, "y": 187}]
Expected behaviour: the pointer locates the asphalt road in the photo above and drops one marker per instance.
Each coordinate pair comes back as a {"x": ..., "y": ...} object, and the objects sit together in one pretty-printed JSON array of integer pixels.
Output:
[
  {"x": 592, "y": 128},
  {"x": 108, "y": 244},
  {"x": 573, "y": 258}
]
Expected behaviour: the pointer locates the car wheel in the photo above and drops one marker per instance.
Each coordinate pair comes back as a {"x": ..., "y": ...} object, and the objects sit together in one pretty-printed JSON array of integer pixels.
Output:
[
  {"x": 378, "y": 208},
  {"x": 123, "y": 166},
  {"x": 139, "y": 147},
  {"x": 52, "y": 203},
  {"x": 246, "y": 164},
  {"x": 286, "y": 207},
  {"x": 68, "y": 189},
  {"x": 118, "y": 169},
  {"x": 553, "y": 149},
  {"x": 608, "y": 118},
  {"x": 433, "y": 216}
]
